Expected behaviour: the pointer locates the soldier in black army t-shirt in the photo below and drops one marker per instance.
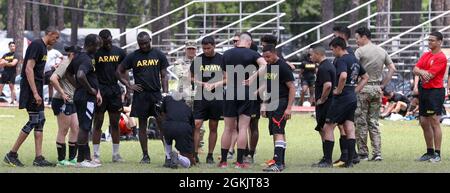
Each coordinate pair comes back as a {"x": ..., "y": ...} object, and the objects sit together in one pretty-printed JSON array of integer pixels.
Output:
[
  {"x": 282, "y": 97},
  {"x": 149, "y": 70},
  {"x": 206, "y": 71},
  {"x": 308, "y": 77},
  {"x": 87, "y": 96},
  {"x": 107, "y": 59},
  {"x": 11, "y": 59},
  {"x": 351, "y": 78},
  {"x": 31, "y": 93}
]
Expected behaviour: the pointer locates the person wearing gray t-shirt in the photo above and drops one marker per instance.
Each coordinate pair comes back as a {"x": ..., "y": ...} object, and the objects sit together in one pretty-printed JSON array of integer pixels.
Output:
[{"x": 373, "y": 58}]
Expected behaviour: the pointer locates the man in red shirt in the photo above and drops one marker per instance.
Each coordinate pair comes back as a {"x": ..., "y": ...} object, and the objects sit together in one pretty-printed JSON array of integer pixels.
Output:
[{"x": 431, "y": 68}]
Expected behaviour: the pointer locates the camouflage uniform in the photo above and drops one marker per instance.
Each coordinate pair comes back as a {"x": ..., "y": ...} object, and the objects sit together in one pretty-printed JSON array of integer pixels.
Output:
[
  {"x": 181, "y": 70},
  {"x": 373, "y": 58},
  {"x": 367, "y": 114}
]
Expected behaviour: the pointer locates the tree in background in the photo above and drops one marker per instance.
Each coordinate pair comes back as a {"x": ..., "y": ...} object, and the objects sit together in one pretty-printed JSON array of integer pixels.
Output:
[
  {"x": 74, "y": 23},
  {"x": 327, "y": 14},
  {"x": 19, "y": 25},
  {"x": 11, "y": 19},
  {"x": 122, "y": 20},
  {"x": 36, "y": 19},
  {"x": 382, "y": 19}
]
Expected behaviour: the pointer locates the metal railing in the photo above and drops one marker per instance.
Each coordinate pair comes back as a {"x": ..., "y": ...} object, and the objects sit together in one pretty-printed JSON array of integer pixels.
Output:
[
  {"x": 231, "y": 24},
  {"x": 254, "y": 28},
  {"x": 416, "y": 42},
  {"x": 188, "y": 17},
  {"x": 414, "y": 28},
  {"x": 329, "y": 36},
  {"x": 367, "y": 4}
]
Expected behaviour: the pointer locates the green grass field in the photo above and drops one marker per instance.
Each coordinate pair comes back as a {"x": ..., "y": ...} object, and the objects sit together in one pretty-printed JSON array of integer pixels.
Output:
[{"x": 402, "y": 142}]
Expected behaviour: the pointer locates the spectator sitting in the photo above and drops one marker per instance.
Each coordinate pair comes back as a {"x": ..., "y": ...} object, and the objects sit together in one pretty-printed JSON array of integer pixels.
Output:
[{"x": 398, "y": 103}]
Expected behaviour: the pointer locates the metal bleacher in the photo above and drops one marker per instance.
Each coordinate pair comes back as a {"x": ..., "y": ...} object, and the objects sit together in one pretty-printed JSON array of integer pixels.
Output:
[{"x": 261, "y": 22}]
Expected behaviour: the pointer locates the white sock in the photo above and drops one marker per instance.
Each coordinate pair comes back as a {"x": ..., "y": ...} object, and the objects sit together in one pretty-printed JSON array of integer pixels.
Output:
[
  {"x": 116, "y": 149},
  {"x": 168, "y": 149},
  {"x": 184, "y": 161},
  {"x": 97, "y": 150}
]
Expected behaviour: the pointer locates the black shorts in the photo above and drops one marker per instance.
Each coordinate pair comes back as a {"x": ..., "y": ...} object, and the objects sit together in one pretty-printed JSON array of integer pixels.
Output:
[
  {"x": 85, "y": 112},
  {"x": 47, "y": 76},
  {"x": 112, "y": 99},
  {"x": 26, "y": 98},
  {"x": 8, "y": 78},
  {"x": 59, "y": 106},
  {"x": 256, "y": 109},
  {"x": 321, "y": 114},
  {"x": 235, "y": 108},
  {"x": 208, "y": 110},
  {"x": 431, "y": 102},
  {"x": 308, "y": 82},
  {"x": 144, "y": 104},
  {"x": 277, "y": 122},
  {"x": 341, "y": 109},
  {"x": 181, "y": 133}
]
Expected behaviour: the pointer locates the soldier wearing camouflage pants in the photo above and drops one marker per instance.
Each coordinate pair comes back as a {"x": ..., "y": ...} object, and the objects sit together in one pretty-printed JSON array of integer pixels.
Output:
[{"x": 372, "y": 58}]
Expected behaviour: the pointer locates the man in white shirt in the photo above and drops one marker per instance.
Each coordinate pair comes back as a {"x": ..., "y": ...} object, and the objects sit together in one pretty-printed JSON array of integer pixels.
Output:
[{"x": 54, "y": 58}]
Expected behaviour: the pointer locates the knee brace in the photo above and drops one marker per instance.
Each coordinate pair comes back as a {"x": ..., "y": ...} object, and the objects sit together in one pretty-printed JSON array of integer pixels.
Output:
[
  {"x": 41, "y": 122},
  {"x": 33, "y": 121}
]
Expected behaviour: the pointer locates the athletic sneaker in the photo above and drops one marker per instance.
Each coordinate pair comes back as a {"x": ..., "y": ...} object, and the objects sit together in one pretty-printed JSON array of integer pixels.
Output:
[
  {"x": 97, "y": 159},
  {"x": 425, "y": 157},
  {"x": 356, "y": 159},
  {"x": 64, "y": 163},
  {"x": 273, "y": 168},
  {"x": 338, "y": 164},
  {"x": 74, "y": 161},
  {"x": 223, "y": 165},
  {"x": 174, "y": 160},
  {"x": 241, "y": 165},
  {"x": 210, "y": 160},
  {"x": 249, "y": 159},
  {"x": 436, "y": 158},
  {"x": 117, "y": 159},
  {"x": 363, "y": 158},
  {"x": 145, "y": 159},
  {"x": 376, "y": 158},
  {"x": 13, "y": 160},
  {"x": 348, "y": 165},
  {"x": 41, "y": 162},
  {"x": 270, "y": 162},
  {"x": 323, "y": 164},
  {"x": 197, "y": 160},
  {"x": 87, "y": 164},
  {"x": 230, "y": 155}
]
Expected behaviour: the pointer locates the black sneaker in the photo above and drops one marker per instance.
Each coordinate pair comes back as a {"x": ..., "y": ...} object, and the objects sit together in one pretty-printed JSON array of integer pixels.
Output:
[
  {"x": 41, "y": 162},
  {"x": 350, "y": 165},
  {"x": 323, "y": 164},
  {"x": 166, "y": 163},
  {"x": 363, "y": 158},
  {"x": 145, "y": 159},
  {"x": 356, "y": 159},
  {"x": 13, "y": 160},
  {"x": 376, "y": 158},
  {"x": 197, "y": 160},
  {"x": 274, "y": 168},
  {"x": 210, "y": 160},
  {"x": 425, "y": 157}
]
